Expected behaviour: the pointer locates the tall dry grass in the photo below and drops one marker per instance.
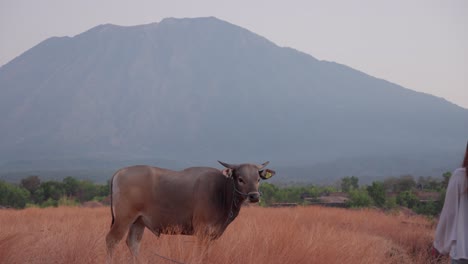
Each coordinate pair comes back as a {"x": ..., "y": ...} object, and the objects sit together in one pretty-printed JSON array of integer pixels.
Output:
[{"x": 258, "y": 235}]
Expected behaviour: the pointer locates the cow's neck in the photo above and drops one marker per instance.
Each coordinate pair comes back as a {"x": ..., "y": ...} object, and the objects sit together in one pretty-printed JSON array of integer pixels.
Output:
[{"x": 233, "y": 202}]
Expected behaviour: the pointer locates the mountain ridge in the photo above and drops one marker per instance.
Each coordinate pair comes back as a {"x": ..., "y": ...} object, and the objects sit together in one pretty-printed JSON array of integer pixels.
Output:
[{"x": 205, "y": 89}]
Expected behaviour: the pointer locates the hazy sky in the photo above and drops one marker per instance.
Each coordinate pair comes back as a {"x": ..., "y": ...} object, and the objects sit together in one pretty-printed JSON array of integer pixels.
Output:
[{"x": 421, "y": 45}]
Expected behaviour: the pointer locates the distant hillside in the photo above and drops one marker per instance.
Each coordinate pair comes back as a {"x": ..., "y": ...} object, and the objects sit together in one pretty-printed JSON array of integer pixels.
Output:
[{"x": 197, "y": 90}]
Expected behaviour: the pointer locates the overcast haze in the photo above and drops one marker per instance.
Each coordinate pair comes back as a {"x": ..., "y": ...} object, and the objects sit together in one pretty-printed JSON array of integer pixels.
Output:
[{"x": 421, "y": 45}]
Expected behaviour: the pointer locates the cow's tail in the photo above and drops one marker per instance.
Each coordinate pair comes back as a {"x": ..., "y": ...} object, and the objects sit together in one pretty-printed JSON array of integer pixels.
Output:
[{"x": 111, "y": 206}]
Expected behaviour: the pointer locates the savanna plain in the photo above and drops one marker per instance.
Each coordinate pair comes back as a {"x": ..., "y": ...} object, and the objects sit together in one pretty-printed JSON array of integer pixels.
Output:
[{"x": 258, "y": 235}]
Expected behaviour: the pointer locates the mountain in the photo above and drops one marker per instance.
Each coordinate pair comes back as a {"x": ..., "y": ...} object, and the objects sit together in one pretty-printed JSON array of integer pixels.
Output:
[{"x": 197, "y": 90}]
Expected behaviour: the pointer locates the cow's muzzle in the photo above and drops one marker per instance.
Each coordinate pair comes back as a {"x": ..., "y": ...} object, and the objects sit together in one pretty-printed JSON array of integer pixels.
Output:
[{"x": 254, "y": 197}]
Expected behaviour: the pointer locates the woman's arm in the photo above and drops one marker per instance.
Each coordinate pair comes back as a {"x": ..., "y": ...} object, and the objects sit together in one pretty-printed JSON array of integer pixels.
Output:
[{"x": 446, "y": 228}]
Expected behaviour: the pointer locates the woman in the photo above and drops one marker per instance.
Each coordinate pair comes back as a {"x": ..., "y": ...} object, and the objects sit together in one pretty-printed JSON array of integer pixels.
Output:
[{"x": 451, "y": 235}]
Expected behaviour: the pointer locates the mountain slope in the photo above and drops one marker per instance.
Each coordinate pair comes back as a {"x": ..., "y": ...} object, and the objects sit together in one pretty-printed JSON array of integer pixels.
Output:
[{"x": 203, "y": 89}]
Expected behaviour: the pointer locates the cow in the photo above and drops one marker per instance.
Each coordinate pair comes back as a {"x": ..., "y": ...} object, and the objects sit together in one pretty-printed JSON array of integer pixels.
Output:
[{"x": 198, "y": 201}]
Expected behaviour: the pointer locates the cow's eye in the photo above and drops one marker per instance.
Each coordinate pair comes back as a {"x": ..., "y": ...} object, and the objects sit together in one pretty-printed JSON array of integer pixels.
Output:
[
  {"x": 258, "y": 180},
  {"x": 241, "y": 180}
]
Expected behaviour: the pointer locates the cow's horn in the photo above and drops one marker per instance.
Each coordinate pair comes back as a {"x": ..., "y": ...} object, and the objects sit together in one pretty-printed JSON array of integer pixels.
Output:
[
  {"x": 229, "y": 166},
  {"x": 260, "y": 167}
]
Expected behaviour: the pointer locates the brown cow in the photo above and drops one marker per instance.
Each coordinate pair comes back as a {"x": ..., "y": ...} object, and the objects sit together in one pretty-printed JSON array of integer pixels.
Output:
[{"x": 197, "y": 201}]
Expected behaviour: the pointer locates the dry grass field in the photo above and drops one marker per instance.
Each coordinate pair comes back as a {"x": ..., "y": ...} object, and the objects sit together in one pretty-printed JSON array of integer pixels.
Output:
[{"x": 258, "y": 235}]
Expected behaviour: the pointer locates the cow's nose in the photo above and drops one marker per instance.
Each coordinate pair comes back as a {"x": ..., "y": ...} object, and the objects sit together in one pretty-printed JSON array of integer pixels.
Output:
[{"x": 253, "y": 197}]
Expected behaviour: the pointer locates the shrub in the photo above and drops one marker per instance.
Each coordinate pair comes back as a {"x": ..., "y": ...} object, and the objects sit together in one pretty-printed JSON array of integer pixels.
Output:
[
  {"x": 390, "y": 203},
  {"x": 12, "y": 195},
  {"x": 49, "y": 203},
  {"x": 67, "y": 201},
  {"x": 407, "y": 199},
  {"x": 377, "y": 193},
  {"x": 359, "y": 198}
]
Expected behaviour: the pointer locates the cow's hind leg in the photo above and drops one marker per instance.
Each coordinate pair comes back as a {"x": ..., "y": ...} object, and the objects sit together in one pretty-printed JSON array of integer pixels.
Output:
[
  {"x": 134, "y": 237},
  {"x": 116, "y": 233}
]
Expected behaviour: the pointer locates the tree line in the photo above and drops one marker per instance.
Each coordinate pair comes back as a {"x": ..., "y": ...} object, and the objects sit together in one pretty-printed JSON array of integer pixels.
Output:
[
  {"x": 33, "y": 192},
  {"x": 386, "y": 194}
]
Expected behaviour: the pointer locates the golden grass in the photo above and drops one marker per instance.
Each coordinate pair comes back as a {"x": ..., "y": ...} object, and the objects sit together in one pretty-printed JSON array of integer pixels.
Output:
[{"x": 258, "y": 235}]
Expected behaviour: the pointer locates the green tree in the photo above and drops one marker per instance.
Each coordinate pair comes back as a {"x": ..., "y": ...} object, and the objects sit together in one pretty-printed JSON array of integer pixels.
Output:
[
  {"x": 446, "y": 180},
  {"x": 359, "y": 198},
  {"x": 38, "y": 196},
  {"x": 405, "y": 183},
  {"x": 434, "y": 184},
  {"x": 377, "y": 192},
  {"x": 428, "y": 208},
  {"x": 390, "y": 184},
  {"x": 349, "y": 183},
  {"x": 86, "y": 191},
  {"x": 269, "y": 192},
  {"x": 31, "y": 183},
  {"x": 313, "y": 191},
  {"x": 429, "y": 183},
  {"x": 390, "y": 203},
  {"x": 71, "y": 186},
  {"x": 51, "y": 190},
  {"x": 292, "y": 194},
  {"x": 327, "y": 189},
  {"x": 103, "y": 190},
  {"x": 49, "y": 203},
  {"x": 407, "y": 199},
  {"x": 13, "y": 196}
]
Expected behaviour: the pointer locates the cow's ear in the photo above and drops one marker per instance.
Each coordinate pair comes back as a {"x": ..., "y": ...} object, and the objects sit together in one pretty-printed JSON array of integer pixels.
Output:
[
  {"x": 227, "y": 172},
  {"x": 267, "y": 174}
]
